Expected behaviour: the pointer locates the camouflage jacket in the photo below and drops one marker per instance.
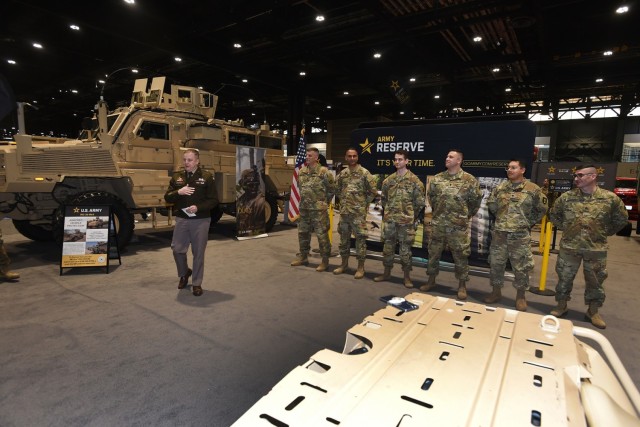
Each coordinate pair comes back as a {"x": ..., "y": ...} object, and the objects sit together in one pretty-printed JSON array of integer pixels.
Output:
[
  {"x": 517, "y": 207},
  {"x": 587, "y": 219},
  {"x": 454, "y": 199},
  {"x": 356, "y": 188},
  {"x": 402, "y": 198},
  {"x": 204, "y": 197},
  {"x": 317, "y": 187}
]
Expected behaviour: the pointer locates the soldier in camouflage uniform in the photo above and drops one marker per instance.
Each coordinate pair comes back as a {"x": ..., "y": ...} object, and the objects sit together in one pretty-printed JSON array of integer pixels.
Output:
[
  {"x": 517, "y": 204},
  {"x": 454, "y": 196},
  {"x": 403, "y": 202},
  {"x": 356, "y": 187},
  {"x": 586, "y": 215},
  {"x": 317, "y": 188}
]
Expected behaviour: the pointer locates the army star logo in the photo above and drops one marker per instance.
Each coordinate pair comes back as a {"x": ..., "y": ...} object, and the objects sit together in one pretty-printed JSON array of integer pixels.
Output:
[
  {"x": 552, "y": 169},
  {"x": 394, "y": 85},
  {"x": 366, "y": 146},
  {"x": 600, "y": 170},
  {"x": 76, "y": 210}
]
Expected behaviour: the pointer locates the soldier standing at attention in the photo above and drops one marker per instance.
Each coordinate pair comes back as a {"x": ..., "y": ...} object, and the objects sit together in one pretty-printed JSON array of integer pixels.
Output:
[
  {"x": 586, "y": 215},
  {"x": 455, "y": 197},
  {"x": 193, "y": 194},
  {"x": 356, "y": 187},
  {"x": 403, "y": 202},
  {"x": 317, "y": 188},
  {"x": 517, "y": 204}
]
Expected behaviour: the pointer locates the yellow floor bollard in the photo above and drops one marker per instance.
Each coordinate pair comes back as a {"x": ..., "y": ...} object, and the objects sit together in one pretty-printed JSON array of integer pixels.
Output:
[{"x": 541, "y": 289}]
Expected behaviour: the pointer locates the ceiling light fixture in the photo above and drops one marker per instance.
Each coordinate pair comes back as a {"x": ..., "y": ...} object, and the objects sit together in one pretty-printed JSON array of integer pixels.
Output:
[
  {"x": 376, "y": 102},
  {"x": 622, "y": 9},
  {"x": 412, "y": 79},
  {"x": 237, "y": 45},
  {"x": 245, "y": 81},
  {"x": 130, "y": 1},
  {"x": 101, "y": 81},
  {"x": 402, "y": 113},
  {"x": 37, "y": 45},
  {"x": 303, "y": 73},
  {"x": 345, "y": 93},
  {"x": 74, "y": 91},
  {"x": 607, "y": 53},
  {"x": 328, "y": 107},
  {"x": 377, "y": 55},
  {"x": 507, "y": 89},
  {"x": 320, "y": 18},
  {"x": 134, "y": 70},
  {"x": 11, "y": 61},
  {"x": 599, "y": 80},
  {"x": 250, "y": 99},
  {"x": 436, "y": 96},
  {"x": 74, "y": 27},
  {"x": 178, "y": 59},
  {"x": 477, "y": 39},
  {"x": 496, "y": 70}
]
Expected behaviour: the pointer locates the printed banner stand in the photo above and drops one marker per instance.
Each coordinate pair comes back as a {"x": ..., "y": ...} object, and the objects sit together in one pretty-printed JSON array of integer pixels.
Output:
[{"x": 89, "y": 237}]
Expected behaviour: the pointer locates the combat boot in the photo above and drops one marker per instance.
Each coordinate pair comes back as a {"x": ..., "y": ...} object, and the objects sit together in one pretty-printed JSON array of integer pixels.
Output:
[
  {"x": 383, "y": 276},
  {"x": 430, "y": 283},
  {"x": 360, "y": 271},
  {"x": 521, "y": 302},
  {"x": 594, "y": 317},
  {"x": 323, "y": 265},
  {"x": 5, "y": 274},
  {"x": 407, "y": 279},
  {"x": 462, "y": 290},
  {"x": 301, "y": 260},
  {"x": 343, "y": 266},
  {"x": 494, "y": 296},
  {"x": 561, "y": 309}
]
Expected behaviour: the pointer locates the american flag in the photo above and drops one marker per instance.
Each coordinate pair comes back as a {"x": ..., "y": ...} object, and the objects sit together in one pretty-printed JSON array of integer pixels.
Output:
[{"x": 294, "y": 199}]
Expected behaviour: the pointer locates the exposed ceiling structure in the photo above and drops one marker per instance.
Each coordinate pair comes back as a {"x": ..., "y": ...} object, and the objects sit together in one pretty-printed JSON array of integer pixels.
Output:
[{"x": 532, "y": 54}]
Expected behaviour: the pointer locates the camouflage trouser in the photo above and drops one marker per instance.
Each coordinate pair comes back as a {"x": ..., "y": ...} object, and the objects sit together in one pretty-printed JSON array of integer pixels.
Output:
[
  {"x": 4, "y": 258},
  {"x": 318, "y": 221},
  {"x": 594, "y": 269},
  {"x": 459, "y": 243},
  {"x": 515, "y": 247},
  {"x": 356, "y": 224},
  {"x": 404, "y": 236}
]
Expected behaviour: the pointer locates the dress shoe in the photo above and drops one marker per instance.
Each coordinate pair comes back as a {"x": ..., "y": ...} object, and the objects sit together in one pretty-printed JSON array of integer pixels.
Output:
[
  {"x": 197, "y": 291},
  {"x": 184, "y": 280}
]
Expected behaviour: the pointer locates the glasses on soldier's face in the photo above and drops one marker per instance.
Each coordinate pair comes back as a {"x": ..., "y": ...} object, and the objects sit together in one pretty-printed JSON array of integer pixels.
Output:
[{"x": 580, "y": 175}]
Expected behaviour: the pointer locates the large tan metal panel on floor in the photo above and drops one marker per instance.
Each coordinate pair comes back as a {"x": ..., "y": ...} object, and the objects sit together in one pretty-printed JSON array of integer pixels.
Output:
[{"x": 447, "y": 363}]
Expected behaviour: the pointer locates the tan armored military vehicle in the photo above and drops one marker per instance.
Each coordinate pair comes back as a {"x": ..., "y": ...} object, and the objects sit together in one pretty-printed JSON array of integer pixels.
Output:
[{"x": 124, "y": 158}]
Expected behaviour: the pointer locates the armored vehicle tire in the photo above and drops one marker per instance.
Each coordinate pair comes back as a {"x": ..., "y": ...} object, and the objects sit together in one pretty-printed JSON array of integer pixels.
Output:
[
  {"x": 270, "y": 212},
  {"x": 38, "y": 232},
  {"x": 123, "y": 219}
]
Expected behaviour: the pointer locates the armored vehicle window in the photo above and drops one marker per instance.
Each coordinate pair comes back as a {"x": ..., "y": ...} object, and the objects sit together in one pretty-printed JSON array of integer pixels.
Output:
[
  {"x": 184, "y": 95},
  {"x": 151, "y": 130},
  {"x": 270, "y": 142},
  {"x": 244, "y": 139}
]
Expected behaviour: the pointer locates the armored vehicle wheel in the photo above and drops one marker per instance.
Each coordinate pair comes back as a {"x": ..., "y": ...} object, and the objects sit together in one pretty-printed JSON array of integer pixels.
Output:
[
  {"x": 270, "y": 212},
  {"x": 123, "y": 219},
  {"x": 40, "y": 232}
]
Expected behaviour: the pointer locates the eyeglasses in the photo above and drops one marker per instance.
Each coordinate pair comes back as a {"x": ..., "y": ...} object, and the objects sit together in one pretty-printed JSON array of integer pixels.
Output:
[{"x": 580, "y": 175}]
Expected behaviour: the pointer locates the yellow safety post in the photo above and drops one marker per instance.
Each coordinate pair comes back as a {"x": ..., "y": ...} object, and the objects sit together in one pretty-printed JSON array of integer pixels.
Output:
[
  {"x": 543, "y": 226},
  {"x": 541, "y": 289}
]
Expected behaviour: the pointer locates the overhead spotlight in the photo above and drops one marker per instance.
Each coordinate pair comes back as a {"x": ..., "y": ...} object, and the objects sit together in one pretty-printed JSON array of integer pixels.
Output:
[
  {"x": 177, "y": 59},
  {"x": 245, "y": 81},
  {"x": 130, "y": 1},
  {"x": 237, "y": 45},
  {"x": 303, "y": 73},
  {"x": 74, "y": 27},
  {"x": 507, "y": 89},
  {"x": 607, "y": 53},
  {"x": 134, "y": 70},
  {"x": 402, "y": 113},
  {"x": 436, "y": 96},
  {"x": 101, "y": 81},
  {"x": 377, "y": 55},
  {"x": 37, "y": 45},
  {"x": 599, "y": 80},
  {"x": 376, "y": 102},
  {"x": 74, "y": 91},
  {"x": 319, "y": 18},
  {"x": 477, "y": 39},
  {"x": 496, "y": 70},
  {"x": 250, "y": 99},
  {"x": 412, "y": 79},
  {"x": 345, "y": 93},
  {"x": 317, "y": 118},
  {"x": 622, "y": 9},
  {"x": 253, "y": 114},
  {"x": 328, "y": 107},
  {"x": 11, "y": 61}
]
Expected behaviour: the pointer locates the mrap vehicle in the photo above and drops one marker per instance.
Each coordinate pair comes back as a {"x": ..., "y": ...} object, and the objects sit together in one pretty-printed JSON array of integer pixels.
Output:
[{"x": 124, "y": 158}]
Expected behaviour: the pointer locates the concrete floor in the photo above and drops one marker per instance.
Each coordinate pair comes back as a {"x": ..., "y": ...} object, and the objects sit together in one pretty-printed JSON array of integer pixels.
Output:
[{"x": 128, "y": 349}]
